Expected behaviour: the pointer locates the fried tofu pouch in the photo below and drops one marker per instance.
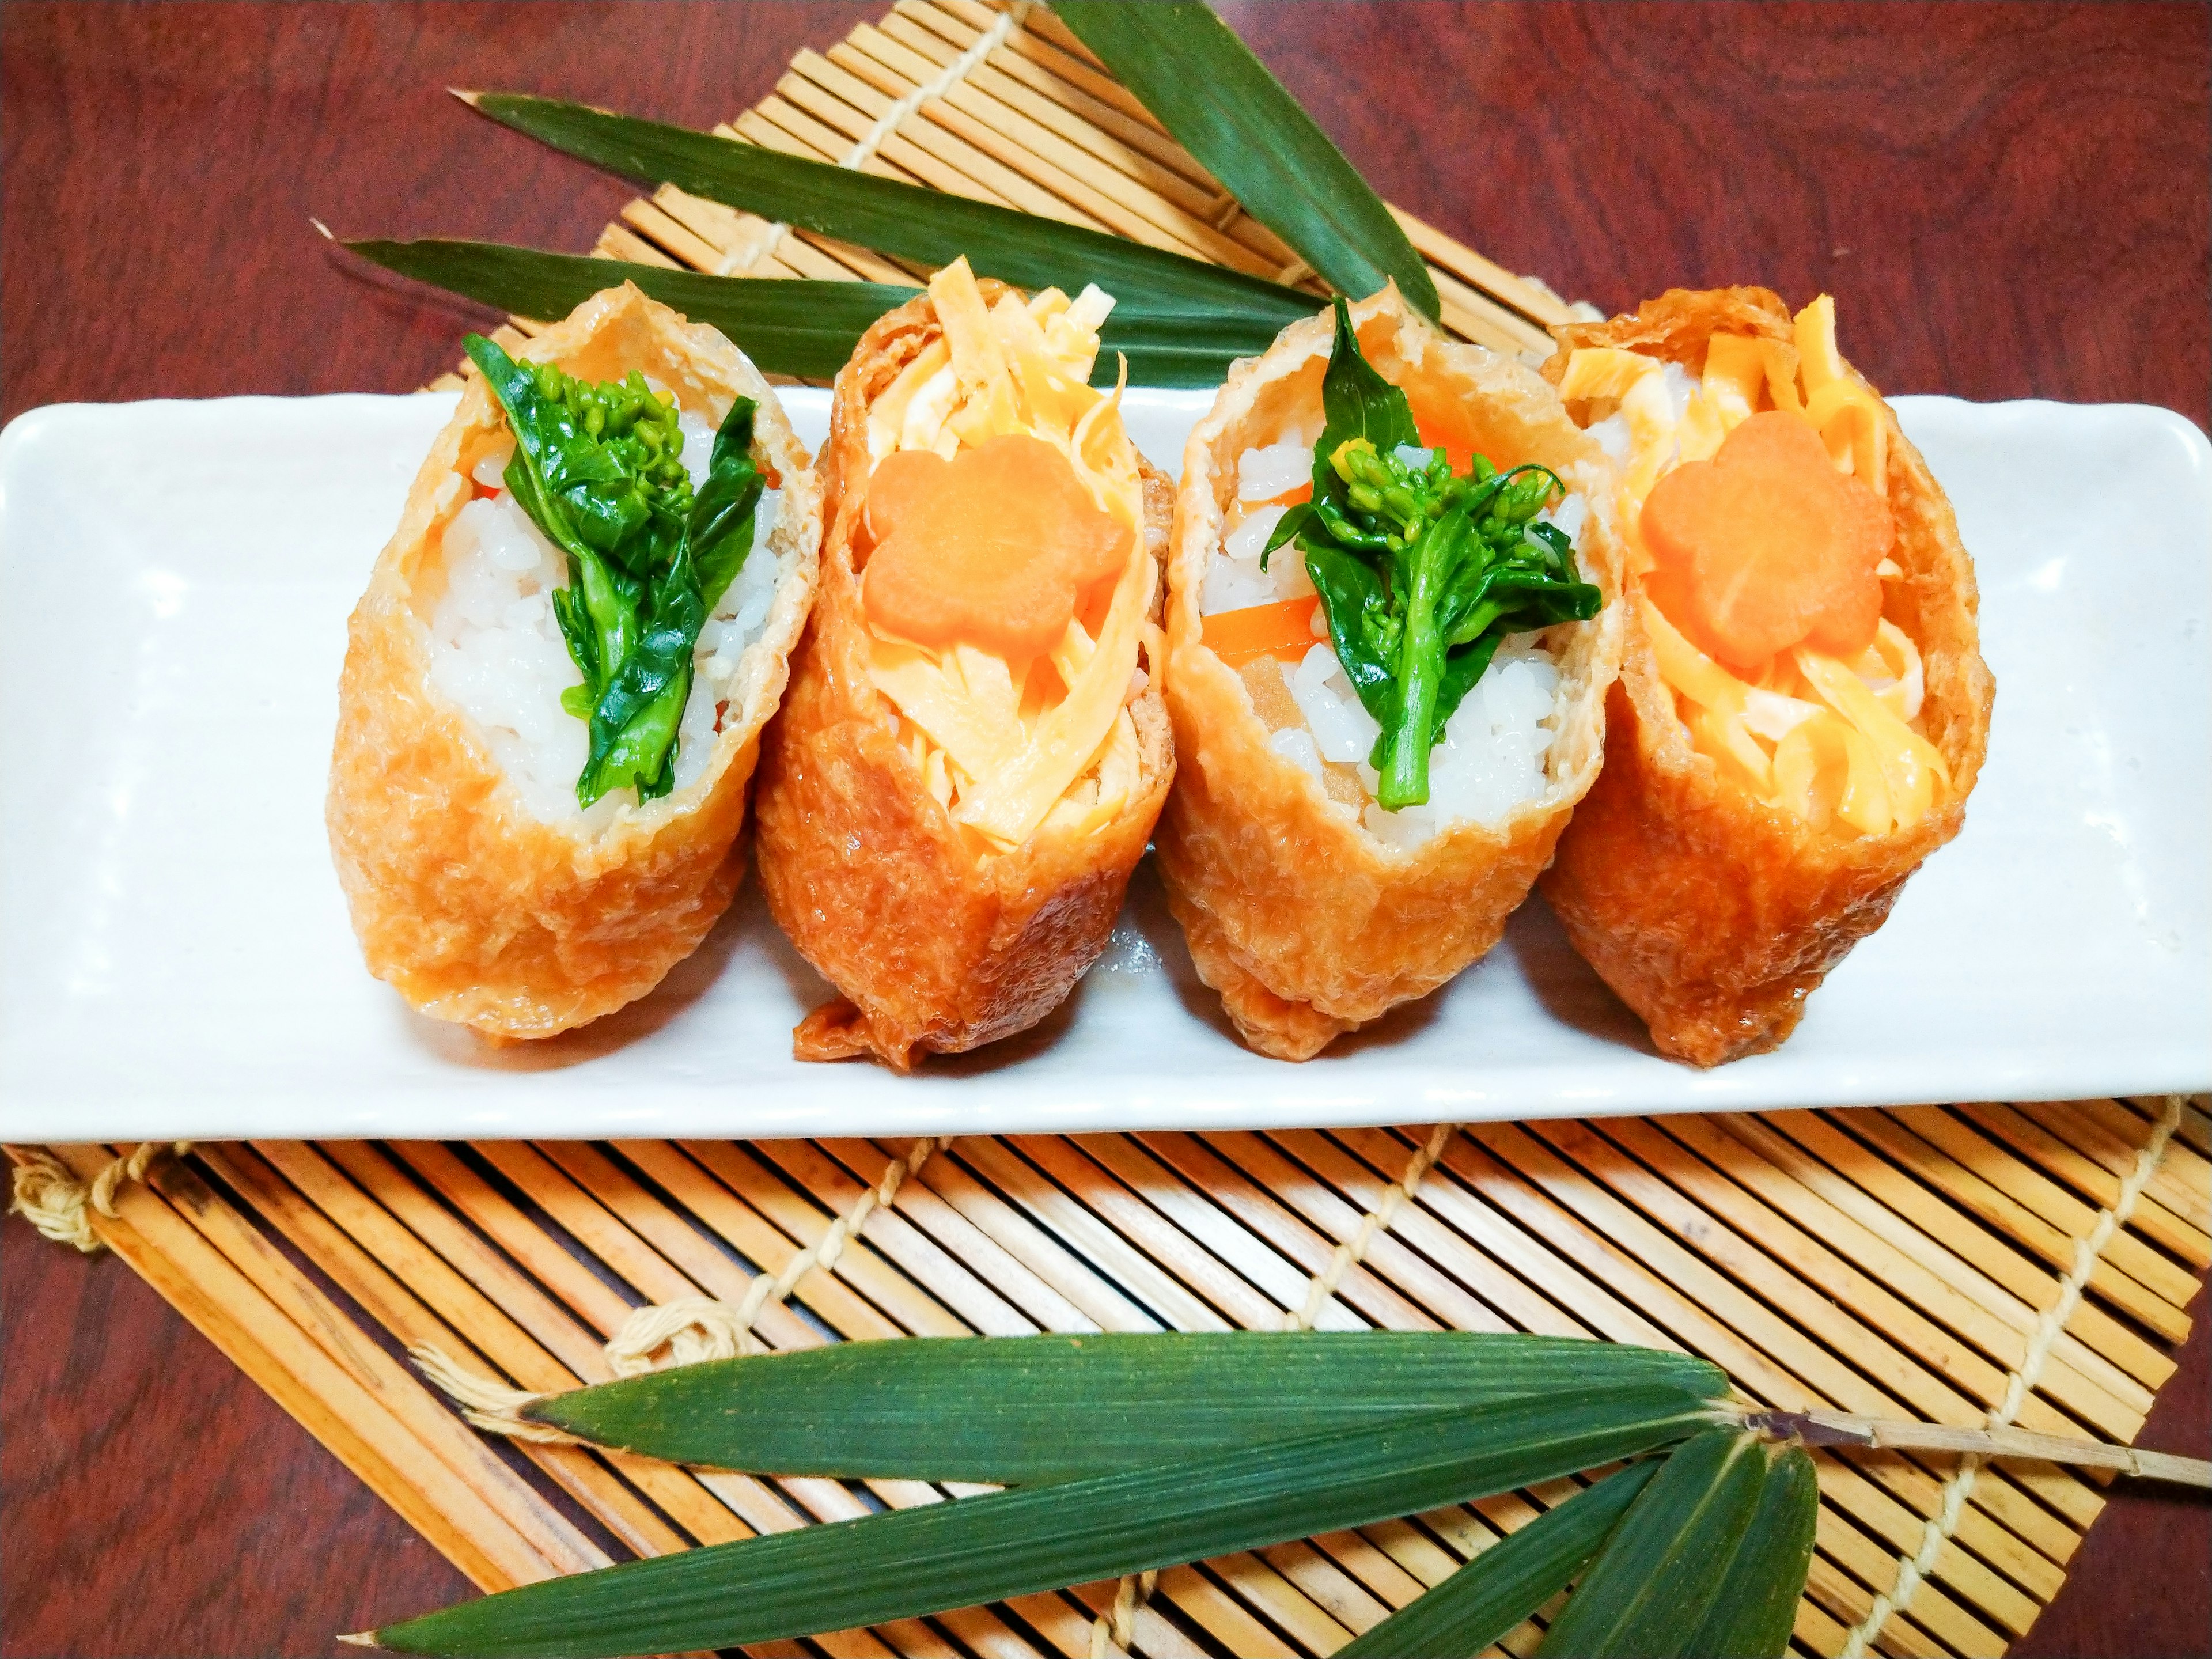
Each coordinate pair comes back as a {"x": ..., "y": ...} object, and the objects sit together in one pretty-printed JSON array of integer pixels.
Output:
[
  {"x": 1308, "y": 926},
  {"x": 474, "y": 910},
  {"x": 1713, "y": 913},
  {"x": 939, "y": 940}
]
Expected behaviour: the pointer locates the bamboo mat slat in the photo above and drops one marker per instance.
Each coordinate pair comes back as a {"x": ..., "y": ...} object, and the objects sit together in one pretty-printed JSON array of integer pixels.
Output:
[
  {"x": 1888, "y": 1263},
  {"x": 1771, "y": 1244}
]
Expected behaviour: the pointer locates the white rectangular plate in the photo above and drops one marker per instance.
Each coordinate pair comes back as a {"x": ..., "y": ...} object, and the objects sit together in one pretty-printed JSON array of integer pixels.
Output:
[{"x": 175, "y": 959}]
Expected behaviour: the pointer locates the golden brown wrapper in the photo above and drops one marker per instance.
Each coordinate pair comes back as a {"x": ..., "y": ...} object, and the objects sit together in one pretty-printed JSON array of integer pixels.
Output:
[
  {"x": 1307, "y": 925},
  {"x": 935, "y": 945},
  {"x": 475, "y": 910},
  {"x": 1712, "y": 915}
]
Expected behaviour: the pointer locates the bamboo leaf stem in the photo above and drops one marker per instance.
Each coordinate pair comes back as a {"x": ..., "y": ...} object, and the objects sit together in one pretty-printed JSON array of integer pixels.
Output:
[{"x": 1822, "y": 1428}]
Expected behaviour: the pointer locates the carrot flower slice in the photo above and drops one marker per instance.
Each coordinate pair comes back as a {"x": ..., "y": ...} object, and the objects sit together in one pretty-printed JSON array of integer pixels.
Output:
[
  {"x": 1767, "y": 546},
  {"x": 996, "y": 547}
]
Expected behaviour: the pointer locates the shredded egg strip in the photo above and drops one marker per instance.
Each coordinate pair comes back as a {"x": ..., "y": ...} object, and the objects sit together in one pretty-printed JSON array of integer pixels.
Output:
[
  {"x": 1838, "y": 744},
  {"x": 1003, "y": 746}
]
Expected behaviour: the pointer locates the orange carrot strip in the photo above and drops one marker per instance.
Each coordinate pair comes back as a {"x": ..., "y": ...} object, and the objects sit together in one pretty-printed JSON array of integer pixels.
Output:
[
  {"x": 1450, "y": 435},
  {"x": 1283, "y": 630}
]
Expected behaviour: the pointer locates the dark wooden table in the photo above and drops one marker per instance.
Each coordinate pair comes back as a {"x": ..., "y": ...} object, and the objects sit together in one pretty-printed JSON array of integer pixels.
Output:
[{"x": 2008, "y": 201}]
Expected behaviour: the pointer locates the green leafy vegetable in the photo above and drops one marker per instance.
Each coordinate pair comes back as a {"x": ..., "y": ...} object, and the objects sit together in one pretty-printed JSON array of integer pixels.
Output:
[
  {"x": 1356, "y": 402},
  {"x": 1030, "y": 1539},
  {"x": 906, "y": 220},
  {"x": 599, "y": 469},
  {"x": 634, "y": 721},
  {"x": 1490, "y": 1596},
  {"x": 793, "y": 326},
  {"x": 998, "y": 1410},
  {"x": 1658, "y": 1578},
  {"x": 720, "y": 533},
  {"x": 1422, "y": 572},
  {"x": 1189, "y": 68}
]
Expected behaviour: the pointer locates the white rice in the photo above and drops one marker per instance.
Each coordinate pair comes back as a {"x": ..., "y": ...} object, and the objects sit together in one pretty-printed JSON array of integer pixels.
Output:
[
  {"x": 1611, "y": 434},
  {"x": 1491, "y": 758},
  {"x": 1569, "y": 517},
  {"x": 1273, "y": 469},
  {"x": 698, "y": 445},
  {"x": 491, "y": 471},
  {"x": 1296, "y": 746},
  {"x": 1234, "y": 580},
  {"x": 498, "y": 654},
  {"x": 737, "y": 620},
  {"x": 1342, "y": 728},
  {"x": 1249, "y": 539}
]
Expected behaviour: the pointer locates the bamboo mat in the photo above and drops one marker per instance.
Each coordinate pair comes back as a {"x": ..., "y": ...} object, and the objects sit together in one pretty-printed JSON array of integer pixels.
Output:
[
  {"x": 1886, "y": 1263},
  {"x": 1006, "y": 106},
  {"x": 1945, "y": 1262}
]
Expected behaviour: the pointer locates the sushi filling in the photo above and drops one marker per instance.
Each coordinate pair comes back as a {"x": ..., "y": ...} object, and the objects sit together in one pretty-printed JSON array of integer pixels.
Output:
[
  {"x": 501, "y": 652},
  {"x": 1754, "y": 499},
  {"x": 1506, "y": 571},
  {"x": 1005, "y": 580}
]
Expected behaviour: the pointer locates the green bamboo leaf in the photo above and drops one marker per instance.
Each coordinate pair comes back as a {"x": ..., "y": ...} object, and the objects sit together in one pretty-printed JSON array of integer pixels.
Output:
[
  {"x": 1756, "y": 1606},
  {"x": 996, "y": 1410},
  {"x": 788, "y": 327},
  {"x": 905, "y": 221},
  {"x": 909, "y": 1563},
  {"x": 802, "y": 328},
  {"x": 1493, "y": 1593},
  {"x": 1653, "y": 1584},
  {"x": 1189, "y": 68}
]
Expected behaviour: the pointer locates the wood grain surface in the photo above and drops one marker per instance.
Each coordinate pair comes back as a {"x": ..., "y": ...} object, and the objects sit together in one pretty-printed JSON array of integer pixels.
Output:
[{"x": 2007, "y": 201}]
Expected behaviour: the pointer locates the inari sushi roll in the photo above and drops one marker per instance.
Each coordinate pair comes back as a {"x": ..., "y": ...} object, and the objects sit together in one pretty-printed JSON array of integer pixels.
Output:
[
  {"x": 1391, "y": 629},
  {"x": 973, "y": 748},
  {"x": 555, "y": 686},
  {"x": 1803, "y": 709}
]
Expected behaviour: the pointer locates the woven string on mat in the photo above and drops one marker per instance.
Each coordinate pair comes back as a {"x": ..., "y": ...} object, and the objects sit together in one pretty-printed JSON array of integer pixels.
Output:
[
  {"x": 56, "y": 1202},
  {"x": 691, "y": 1328},
  {"x": 746, "y": 255},
  {"x": 1115, "y": 1629},
  {"x": 1913, "y": 1570}
]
